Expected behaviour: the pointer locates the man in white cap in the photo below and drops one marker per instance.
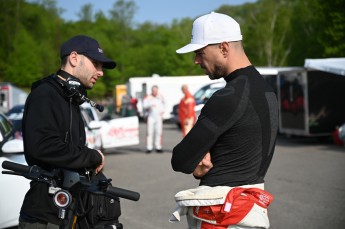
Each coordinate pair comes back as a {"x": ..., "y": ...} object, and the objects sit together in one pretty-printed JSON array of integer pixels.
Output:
[{"x": 231, "y": 145}]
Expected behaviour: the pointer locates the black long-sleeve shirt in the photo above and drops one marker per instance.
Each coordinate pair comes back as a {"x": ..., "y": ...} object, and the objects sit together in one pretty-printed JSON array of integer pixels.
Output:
[{"x": 238, "y": 126}]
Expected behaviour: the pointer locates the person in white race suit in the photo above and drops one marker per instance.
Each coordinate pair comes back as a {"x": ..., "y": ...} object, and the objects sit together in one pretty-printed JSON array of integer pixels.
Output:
[{"x": 154, "y": 108}]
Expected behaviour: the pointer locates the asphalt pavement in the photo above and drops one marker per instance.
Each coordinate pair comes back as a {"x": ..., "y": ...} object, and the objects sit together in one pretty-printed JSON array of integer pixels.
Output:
[{"x": 306, "y": 177}]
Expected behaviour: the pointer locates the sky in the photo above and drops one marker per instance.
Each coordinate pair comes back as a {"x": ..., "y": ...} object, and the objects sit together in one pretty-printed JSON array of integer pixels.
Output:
[{"x": 155, "y": 11}]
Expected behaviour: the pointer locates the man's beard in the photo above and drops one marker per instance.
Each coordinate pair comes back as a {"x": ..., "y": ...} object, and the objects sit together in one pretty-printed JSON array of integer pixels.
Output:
[{"x": 219, "y": 72}]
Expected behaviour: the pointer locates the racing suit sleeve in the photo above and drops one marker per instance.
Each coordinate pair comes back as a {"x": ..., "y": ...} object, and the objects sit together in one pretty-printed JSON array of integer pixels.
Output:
[{"x": 190, "y": 107}]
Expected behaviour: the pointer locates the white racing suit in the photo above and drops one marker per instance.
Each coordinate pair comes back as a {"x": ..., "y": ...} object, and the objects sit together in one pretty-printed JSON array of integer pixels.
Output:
[
  {"x": 154, "y": 109},
  {"x": 223, "y": 207}
]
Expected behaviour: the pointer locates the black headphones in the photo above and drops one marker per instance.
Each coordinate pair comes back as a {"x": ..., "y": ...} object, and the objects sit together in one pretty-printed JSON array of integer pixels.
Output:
[
  {"x": 74, "y": 89},
  {"x": 72, "y": 86}
]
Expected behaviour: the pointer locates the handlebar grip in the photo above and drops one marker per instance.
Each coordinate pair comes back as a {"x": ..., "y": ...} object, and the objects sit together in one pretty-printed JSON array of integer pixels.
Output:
[
  {"x": 123, "y": 193},
  {"x": 16, "y": 167}
]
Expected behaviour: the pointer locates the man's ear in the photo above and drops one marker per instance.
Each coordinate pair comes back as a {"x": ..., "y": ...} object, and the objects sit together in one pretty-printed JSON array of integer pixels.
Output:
[
  {"x": 224, "y": 48},
  {"x": 73, "y": 58}
]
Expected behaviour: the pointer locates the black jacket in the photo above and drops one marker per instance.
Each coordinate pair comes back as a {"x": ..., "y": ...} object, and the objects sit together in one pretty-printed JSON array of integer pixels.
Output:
[{"x": 54, "y": 137}]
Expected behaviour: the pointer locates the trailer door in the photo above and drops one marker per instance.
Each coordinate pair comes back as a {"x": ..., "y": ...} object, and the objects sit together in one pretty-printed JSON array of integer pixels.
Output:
[{"x": 293, "y": 103}]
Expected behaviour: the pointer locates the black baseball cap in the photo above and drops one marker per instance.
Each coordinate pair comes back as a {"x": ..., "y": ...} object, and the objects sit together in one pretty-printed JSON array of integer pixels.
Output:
[{"x": 86, "y": 46}]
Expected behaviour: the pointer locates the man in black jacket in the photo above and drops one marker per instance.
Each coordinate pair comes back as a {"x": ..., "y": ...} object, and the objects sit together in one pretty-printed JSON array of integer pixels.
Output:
[
  {"x": 232, "y": 143},
  {"x": 53, "y": 130}
]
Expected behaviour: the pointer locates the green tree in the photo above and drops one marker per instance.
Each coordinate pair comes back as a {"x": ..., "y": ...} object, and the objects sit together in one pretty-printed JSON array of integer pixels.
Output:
[
  {"x": 333, "y": 21},
  {"x": 86, "y": 13},
  {"x": 123, "y": 12},
  {"x": 275, "y": 33},
  {"x": 265, "y": 29},
  {"x": 25, "y": 67},
  {"x": 182, "y": 34},
  {"x": 9, "y": 21},
  {"x": 28, "y": 55},
  {"x": 305, "y": 32}
]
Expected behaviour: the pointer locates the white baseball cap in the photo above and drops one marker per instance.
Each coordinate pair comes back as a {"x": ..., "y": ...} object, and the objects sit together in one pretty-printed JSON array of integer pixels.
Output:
[{"x": 212, "y": 28}]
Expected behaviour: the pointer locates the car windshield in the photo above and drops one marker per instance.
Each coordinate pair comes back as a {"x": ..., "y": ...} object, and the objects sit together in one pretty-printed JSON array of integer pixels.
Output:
[
  {"x": 86, "y": 117},
  {"x": 206, "y": 92},
  {"x": 5, "y": 127},
  {"x": 210, "y": 92},
  {"x": 16, "y": 111},
  {"x": 89, "y": 113},
  {"x": 199, "y": 94},
  {"x": 15, "y": 115}
]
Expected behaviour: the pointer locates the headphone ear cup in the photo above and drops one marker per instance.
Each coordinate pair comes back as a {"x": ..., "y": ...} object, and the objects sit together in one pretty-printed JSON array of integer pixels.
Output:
[
  {"x": 72, "y": 88},
  {"x": 75, "y": 89},
  {"x": 73, "y": 85}
]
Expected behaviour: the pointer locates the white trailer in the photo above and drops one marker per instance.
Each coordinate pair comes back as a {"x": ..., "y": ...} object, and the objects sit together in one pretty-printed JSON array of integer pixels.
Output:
[{"x": 11, "y": 96}]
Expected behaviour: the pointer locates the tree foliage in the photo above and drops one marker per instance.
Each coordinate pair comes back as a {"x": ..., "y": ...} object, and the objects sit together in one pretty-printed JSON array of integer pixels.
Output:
[
  {"x": 275, "y": 33},
  {"x": 332, "y": 20}
]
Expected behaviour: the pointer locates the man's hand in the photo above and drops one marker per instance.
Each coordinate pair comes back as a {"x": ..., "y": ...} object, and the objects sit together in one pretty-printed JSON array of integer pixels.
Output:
[
  {"x": 204, "y": 166},
  {"x": 100, "y": 167}
]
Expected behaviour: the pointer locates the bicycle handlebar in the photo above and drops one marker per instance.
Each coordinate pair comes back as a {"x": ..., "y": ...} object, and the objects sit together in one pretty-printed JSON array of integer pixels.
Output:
[
  {"x": 124, "y": 193},
  {"x": 26, "y": 171},
  {"x": 19, "y": 168}
]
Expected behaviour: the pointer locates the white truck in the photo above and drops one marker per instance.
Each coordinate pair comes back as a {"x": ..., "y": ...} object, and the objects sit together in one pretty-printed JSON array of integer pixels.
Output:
[{"x": 11, "y": 96}]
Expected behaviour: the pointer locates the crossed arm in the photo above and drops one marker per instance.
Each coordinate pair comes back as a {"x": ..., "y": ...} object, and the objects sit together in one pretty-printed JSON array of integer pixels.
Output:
[{"x": 204, "y": 166}]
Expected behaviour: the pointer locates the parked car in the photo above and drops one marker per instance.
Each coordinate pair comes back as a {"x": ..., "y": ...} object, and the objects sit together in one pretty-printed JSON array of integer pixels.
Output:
[
  {"x": 201, "y": 96},
  {"x": 110, "y": 133},
  {"x": 13, "y": 188},
  {"x": 100, "y": 134},
  {"x": 92, "y": 126},
  {"x": 15, "y": 115},
  {"x": 89, "y": 115}
]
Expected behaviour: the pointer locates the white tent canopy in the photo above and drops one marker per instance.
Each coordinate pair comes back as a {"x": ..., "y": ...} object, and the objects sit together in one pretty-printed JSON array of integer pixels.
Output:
[{"x": 331, "y": 65}]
